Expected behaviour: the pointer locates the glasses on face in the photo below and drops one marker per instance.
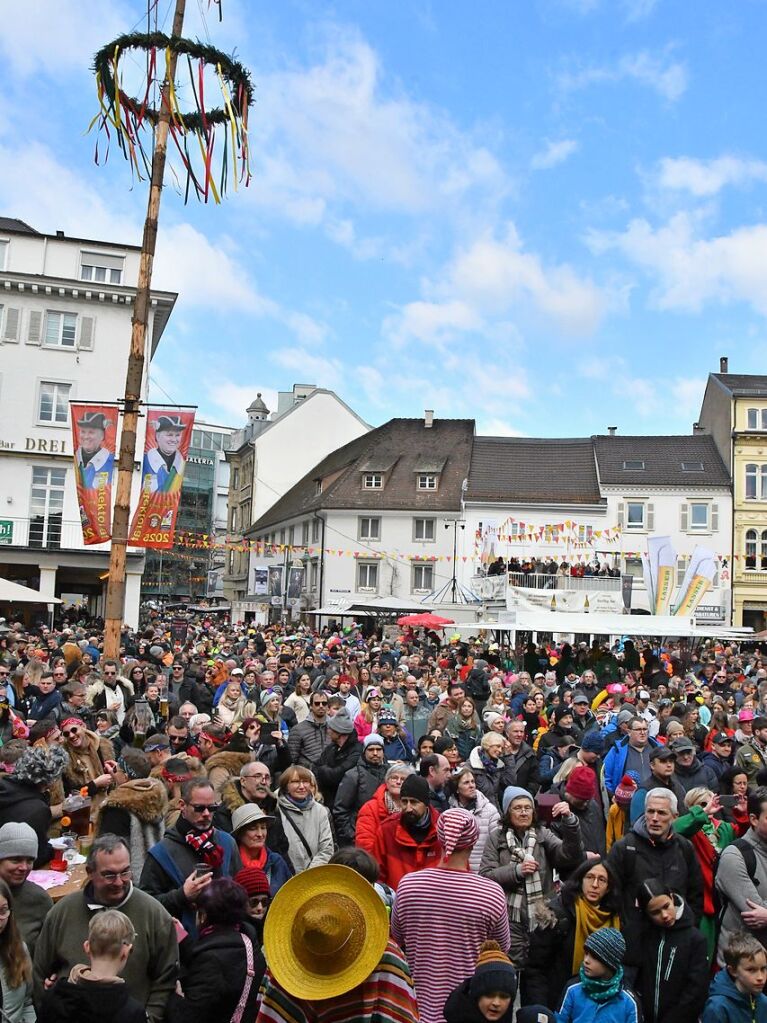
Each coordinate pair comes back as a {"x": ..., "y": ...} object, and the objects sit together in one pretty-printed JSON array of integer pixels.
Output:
[
  {"x": 68, "y": 733},
  {"x": 320, "y": 703},
  {"x": 303, "y": 784},
  {"x": 204, "y": 807},
  {"x": 259, "y": 777},
  {"x": 258, "y": 900},
  {"x": 110, "y": 876}
]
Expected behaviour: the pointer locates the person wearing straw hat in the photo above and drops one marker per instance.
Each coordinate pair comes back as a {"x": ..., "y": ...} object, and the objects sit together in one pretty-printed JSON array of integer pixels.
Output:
[
  {"x": 470, "y": 910},
  {"x": 335, "y": 961}
]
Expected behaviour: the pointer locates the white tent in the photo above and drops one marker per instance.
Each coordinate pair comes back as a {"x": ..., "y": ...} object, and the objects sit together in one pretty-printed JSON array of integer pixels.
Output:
[
  {"x": 15, "y": 593},
  {"x": 575, "y": 622},
  {"x": 369, "y": 608}
]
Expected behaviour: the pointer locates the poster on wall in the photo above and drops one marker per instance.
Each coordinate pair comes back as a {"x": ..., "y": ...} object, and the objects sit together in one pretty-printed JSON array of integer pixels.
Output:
[
  {"x": 260, "y": 580},
  {"x": 274, "y": 585},
  {"x": 94, "y": 437},
  {"x": 295, "y": 585},
  {"x": 168, "y": 436}
]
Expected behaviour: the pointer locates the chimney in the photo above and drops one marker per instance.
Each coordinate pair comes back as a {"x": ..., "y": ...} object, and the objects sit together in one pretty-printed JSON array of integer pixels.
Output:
[
  {"x": 59, "y": 234},
  {"x": 723, "y": 362},
  {"x": 428, "y": 418},
  {"x": 697, "y": 428},
  {"x": 612, "y": 430}
]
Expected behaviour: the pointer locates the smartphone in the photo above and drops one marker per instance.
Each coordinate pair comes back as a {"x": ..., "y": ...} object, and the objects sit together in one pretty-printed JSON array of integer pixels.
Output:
[
  {"x": 729, "y": 800},
  {"x": 201, "y": 869}
]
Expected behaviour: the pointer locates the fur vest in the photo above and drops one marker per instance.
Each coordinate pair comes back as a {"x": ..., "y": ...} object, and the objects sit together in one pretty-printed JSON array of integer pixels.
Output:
[
  {"x": 144, "y": 802},
  {"x": 223, "y": 766}
]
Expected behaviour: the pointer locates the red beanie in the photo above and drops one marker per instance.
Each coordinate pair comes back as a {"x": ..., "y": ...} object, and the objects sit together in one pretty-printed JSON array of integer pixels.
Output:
[
  {"x": 582, "y": 783},
  {"x": 253, "y": 880}
]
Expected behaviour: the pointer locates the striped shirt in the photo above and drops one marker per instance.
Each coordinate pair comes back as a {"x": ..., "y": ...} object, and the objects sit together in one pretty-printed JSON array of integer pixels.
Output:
[
  {"x": 441, "y": 917},
  {"x": 387, "y": 996}
]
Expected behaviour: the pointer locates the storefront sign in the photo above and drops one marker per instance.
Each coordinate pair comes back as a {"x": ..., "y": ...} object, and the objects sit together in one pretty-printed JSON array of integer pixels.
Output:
[{"x": 6, "y": 531}]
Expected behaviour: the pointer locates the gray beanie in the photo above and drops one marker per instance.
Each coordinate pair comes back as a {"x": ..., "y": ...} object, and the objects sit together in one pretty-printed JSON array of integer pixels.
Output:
[
  {"x": 512, "y": 792},
  {"x": 340, "y": 723},
  {"x": 41, "y": 766},
  {"x": 17, "y": 839}
]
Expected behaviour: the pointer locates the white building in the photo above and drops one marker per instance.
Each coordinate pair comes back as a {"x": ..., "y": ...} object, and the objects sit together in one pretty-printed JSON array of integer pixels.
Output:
[
  {"x": 268, "y": 457},
  {"x": 65, "y": 327}
]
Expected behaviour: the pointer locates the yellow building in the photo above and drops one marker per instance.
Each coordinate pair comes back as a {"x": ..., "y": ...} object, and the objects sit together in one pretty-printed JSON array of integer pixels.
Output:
[{"x": 734, "y": 412}]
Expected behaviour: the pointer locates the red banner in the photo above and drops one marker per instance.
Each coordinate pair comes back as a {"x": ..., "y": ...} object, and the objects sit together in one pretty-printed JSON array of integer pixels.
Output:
[
  {"x": 168, "y": 436},
  {"x": 94, "y": 435}
]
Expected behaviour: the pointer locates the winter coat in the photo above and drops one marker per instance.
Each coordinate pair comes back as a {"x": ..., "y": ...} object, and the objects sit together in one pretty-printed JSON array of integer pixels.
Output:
[
  {"x": 89, "y": 1002},
  {"x": 31, "y": 905},
  {"x": 492, "y": 779},
  {"x": 673, "y": 862},
  {"x": 550, "y": 965},
  {"x": 615, "y": 762},
  {"x": 640, "y": 796},
  {"x": 398, "y": 853},
  {"x": 22, "y": 802},
  {"x": 86, "y": 762},
  {"x": 486, "y": 814},
  {"x": 43, "y": 707},
  {"x": 593, "y": 832},
  {"x": 526, "y": 769},
  {"x": 213, "y": 977},
  {"x": 717, "y": 765},
  {"x": 224, "y": 765},
  {"x": 673, "y": 976},
  {"x": 466, "y": 739},
  {"x": 477, "y": 686},
  {"x": 726, "y": 1004},
  {"x": 370, "y": 817},
  {"x": 314, "y": 825},
  {"x": 198, "y": 692},
  {"x": 416, "y": 719},
  {"x": 333, "y": 764},
  {"x": 695, "y": 775},
  {"x": 96, "y": 696},
  {"x": 577, "y": 1007},
  {"x": 232, "y": 797},
  {"x": 750, "y": 760},
  {"x": 357, "y": 786},
  {"x": 136, "y": 812},
  {"x": 736, "y": 888},
  {"x": 462, "y": 1007},
  {"x": 306, "y": 742},
  {"x": 399, "y": 748}
]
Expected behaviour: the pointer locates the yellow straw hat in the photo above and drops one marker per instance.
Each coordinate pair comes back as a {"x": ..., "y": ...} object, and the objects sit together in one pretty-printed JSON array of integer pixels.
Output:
[{"x": 326, "y": 931}]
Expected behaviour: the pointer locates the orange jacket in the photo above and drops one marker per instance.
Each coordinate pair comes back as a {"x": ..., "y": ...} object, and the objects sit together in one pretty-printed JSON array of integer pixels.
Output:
[{"x": 398, "y": 853}]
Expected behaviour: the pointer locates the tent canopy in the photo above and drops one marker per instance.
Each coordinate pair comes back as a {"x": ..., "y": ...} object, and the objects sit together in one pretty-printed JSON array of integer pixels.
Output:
[
  {"x": 15, "y": 593},
  {"x": 425, "y": 621},
  {"x": 367, "y": 608},
  {"x": 584, "y": 623}
]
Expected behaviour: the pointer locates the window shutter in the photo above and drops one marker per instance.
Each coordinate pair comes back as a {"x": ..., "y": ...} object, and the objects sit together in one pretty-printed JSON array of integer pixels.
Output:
[
  {"x": 650, "y": 518},
  {"x": 683, "y": 517},
  {"x": 621, "y": 513},
  {"x": 87, "y": 330},
  {"x": 35, "y": 329},
  {"x": 714, "y": 518},
  {"x": 12, "y": 324}
]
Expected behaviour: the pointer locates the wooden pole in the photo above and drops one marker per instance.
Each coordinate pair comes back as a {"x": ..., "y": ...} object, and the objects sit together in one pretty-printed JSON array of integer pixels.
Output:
[{"x": 115, "y": 601}]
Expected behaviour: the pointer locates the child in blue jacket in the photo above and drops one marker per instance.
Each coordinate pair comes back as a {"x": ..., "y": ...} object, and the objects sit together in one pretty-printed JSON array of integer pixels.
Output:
[
  {"x": 735, "y": 995},
  {"x": 598, "y": 993}
]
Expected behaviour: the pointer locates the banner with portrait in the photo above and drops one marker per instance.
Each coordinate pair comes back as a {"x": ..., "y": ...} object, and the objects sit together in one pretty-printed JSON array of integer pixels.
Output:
[
  {"x": 94, "y": 438},
  {"x": 166, "y": 448}
]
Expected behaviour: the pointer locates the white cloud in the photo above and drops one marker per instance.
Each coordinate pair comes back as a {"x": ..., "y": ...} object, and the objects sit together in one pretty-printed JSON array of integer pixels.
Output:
[
  {"x": 665, "y": 76},
  {"x": 432, "y": 322},
  {"x": 323, "y": 370},
  {"x": 690, "y": 271},
  {"x": 232, "y": 398},
  {"x": 554, "y": 154},
  {"x": 708, "y": 177},
  {"x": 638, "y": 10},
  {"x": 498, "y": 428}
]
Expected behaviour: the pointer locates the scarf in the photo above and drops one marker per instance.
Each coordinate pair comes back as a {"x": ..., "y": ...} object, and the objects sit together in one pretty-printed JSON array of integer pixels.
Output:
[
  {"x": 529, "y": 900},
  {"x": 601, "y": 991},
  {"x": 391, "y": 806},
  {"x": 203, "y": 844},
  {"x": 257, "y": 860},
  {"x": 588, "y": 919},
  {"x": 302, "y": 804}
]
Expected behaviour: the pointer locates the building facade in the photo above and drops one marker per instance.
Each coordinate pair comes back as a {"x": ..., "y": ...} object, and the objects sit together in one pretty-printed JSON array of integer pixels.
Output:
[{"x": 65, "y": 328}]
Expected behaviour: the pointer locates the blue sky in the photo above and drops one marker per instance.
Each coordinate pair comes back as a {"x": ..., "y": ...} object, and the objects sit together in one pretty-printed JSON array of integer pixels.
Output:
[{"x": 545, "y": 214}]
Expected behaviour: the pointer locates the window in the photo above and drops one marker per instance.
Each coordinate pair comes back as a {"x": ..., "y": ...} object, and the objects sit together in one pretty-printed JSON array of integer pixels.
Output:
[
  {"x": 46, "y": 505},
  {"x": 756, "y": 482},
  {"x": 756, "y": 419},
  {"x": 318, "y": 486},
  {"x": 698, "y": 515},
  {"x": 54, "y": 402},
  {"x": 633, "y": 464},
  {"x": 315, "y": 530},
  {"x": 282, "y": 537},
  {"x": 635, "y": 515},
  {"x": 60, "y": 330},
  {"x": 305, "y": 533},
  {"x": 756, "y": 550},
  {"x": 427, "y": 481},
  {"x": 10, "y": 320},
  {"x": 4, "y": 246},
  {"x": 291, "y": 536},
  {"x": 372, "y": 481},
  {"x": 368, "y": 528},
  {"x": 551, "y": 533},
  {"x": 585, "y": 534},
  {"x": 634, "y": 567},
  {"x": 235, "y": 478},
  {"x": 101, "y": 268},
  {"x": 423, "y": 578},
  {"x": 367, "y": 575},
  {"x": 692, "y": 466},
  {"x": 424, "y": 529},
  {"x": 313, "y": 574}
]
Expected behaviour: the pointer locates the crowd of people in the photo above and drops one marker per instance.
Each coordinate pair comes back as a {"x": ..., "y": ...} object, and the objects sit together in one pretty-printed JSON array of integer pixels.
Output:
[{"x": 291, "y": 825}]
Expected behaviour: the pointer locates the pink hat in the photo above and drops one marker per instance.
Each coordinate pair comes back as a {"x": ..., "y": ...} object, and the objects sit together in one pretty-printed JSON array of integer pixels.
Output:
[{"x": 746, "y": 714}]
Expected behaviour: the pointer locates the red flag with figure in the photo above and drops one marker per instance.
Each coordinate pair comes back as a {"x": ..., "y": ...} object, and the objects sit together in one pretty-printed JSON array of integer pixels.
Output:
[
  {"x": 168, "y": 436},
  {"x": 94, "y": 436}
]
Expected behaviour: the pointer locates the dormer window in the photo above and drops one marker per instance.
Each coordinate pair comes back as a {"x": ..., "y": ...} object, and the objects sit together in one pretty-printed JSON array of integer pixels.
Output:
[
  {"x": 634, "y": 464},
  {"x": 692, "y": 466},
  {"x": 372, "y": 481},
  {"x": 318, "y": 485},
  {"x": 426, "y": 481}
]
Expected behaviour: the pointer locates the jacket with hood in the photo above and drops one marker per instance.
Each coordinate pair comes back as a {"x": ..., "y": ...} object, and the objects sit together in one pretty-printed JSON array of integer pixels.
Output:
[
  {"x": 23, "y": 801},
  {"x": 136, "y": 812},
  {"x": 697, "y": 774},
  {"x": 717, "y": 765},
  {"x": 550, "y": 965},
  {"x": 526, "y": 768},
  {"x": 577, "y": 1007},
  {"x": 615, "y": 762},
  {"x": 96, "y": 696},
  {"x": 313, "y": 822},
  {"x": 640, "y": 796},
  {"x": 736, "y": 888},
  {"x": 399, "y": 853},
  {"x": 333, "y": 764},
  {"x": 78, "y": 997},
  {"x": 307, "y": 741},
  {"x": 358, "y": 785},
  {"x": 673, "y": 976},
  {"x": 370, "y": 817},
  {"x": 726, "y": 1004}
]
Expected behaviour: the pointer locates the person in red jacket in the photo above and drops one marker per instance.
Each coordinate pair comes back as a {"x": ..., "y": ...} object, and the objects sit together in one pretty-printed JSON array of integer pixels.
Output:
[
  {"x": 384, "y": 804},
  {"x": 408, "y": 840}
]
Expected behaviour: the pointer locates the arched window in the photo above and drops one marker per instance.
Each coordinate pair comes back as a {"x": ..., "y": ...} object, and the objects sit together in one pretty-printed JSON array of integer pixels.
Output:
[{"x": 763, "y": 550}]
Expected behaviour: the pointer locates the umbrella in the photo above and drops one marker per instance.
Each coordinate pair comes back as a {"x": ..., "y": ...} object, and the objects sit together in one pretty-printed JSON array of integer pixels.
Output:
[{"x": 427, "y": 620}]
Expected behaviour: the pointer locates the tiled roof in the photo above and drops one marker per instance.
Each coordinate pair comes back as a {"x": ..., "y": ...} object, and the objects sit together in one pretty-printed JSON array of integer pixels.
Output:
[
  {"x": 743, "y": 384},
  {"x": 662, "y": 458},
  {"x": 12, "y": 224},
  {"x": 533, "y": 471},
  {"x": 401, "y": 445}
]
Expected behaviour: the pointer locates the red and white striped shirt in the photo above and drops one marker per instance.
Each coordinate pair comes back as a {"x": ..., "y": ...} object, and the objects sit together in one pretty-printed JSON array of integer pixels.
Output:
[{"x": 441, "y": 917}]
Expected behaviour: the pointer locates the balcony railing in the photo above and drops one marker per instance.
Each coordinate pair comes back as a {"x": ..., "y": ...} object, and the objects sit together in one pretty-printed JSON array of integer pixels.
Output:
[
  {"x": 51, "y": 534},
  {"x": 493, "y": 587}
]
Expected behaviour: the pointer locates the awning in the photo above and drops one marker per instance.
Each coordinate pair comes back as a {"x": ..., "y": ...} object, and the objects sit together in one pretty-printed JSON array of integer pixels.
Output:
[
  {"x": 15, "y": 593},
  {"x": 368, "y": 608},
  {"x": 607, "y": 625}
]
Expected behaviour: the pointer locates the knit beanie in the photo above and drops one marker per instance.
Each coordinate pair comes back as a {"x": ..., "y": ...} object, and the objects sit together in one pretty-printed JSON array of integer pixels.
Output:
[
  {"x": 17, "y": 839},
  {"x": 266, "y": 696},
  {"x": 374, "y": 739},
  {"x": 253, "y": 880},
  {"x": 494, "y": 972},
  {"x": 592, "y": 742},
  {"x": 41, "y": 765},
  {"x": 535, "y": 1014},
  {"x": 581, "y": 784},
  {"x": 608, "y": 945},
  {"x": 340, "y": 723},
  {"x": 625, "y": 790},
  {"x": 512, "y": 792},
  {"x": 416, "y": 787},
  {"x": 490, "y": 719},
  {"x": 562, "y": 711}
]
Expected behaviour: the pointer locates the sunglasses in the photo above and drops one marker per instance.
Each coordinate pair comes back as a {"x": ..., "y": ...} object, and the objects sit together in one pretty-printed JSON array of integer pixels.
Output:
[
  {"x": 67, "y": 733},
  {"x": 259, "y": 900},
  {"x": 202, "y": 807}
]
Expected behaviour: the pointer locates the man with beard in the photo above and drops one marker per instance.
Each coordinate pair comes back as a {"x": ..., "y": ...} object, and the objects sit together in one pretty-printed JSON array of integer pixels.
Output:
[
  {"x": 254, "y": 785},
  {"x": 408, "y": 840},
  {"x": 152, "y": 968},
  {"x": 171, "y": 872}
]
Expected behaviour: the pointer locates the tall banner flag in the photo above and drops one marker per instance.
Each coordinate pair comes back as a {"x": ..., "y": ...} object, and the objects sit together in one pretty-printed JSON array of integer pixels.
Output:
[
  {"x": 168, "y": 436},
  {"x": 94, "y": 436},
  {"x": 698, "y": 578}
]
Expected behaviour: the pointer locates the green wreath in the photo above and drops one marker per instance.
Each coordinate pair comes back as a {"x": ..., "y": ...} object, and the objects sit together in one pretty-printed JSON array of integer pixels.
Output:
[{"x": 232, "y": 72}]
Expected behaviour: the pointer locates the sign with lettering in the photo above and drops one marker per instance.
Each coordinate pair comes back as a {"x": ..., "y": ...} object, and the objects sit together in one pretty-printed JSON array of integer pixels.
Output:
[{"x": 6, "y": 531}]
